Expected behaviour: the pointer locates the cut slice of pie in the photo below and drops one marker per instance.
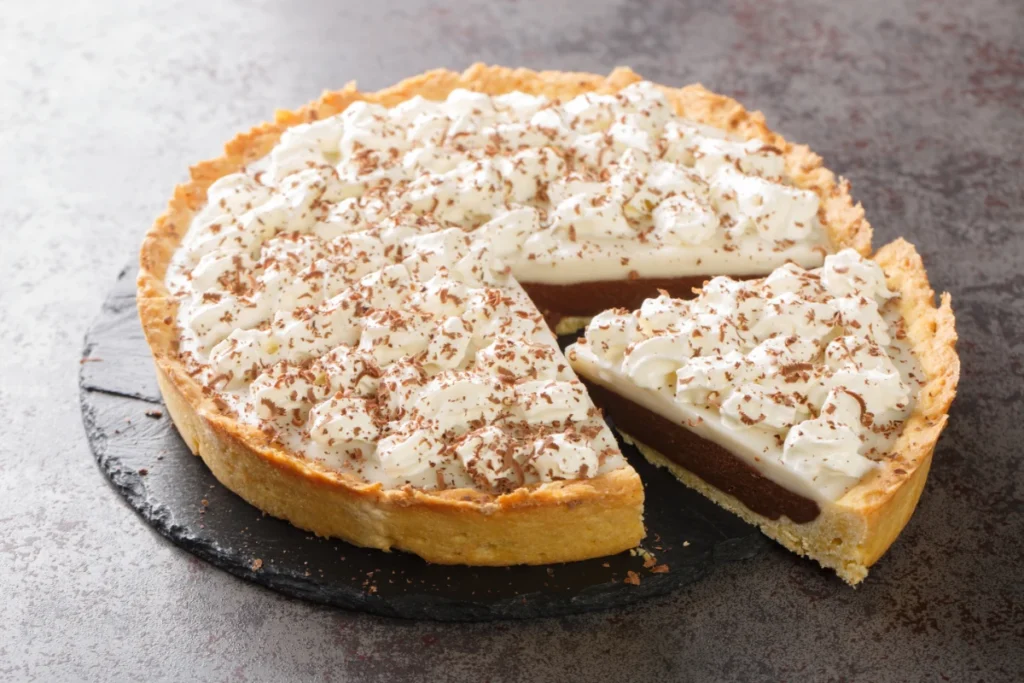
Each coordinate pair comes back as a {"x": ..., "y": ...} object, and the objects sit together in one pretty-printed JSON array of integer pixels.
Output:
[
  {"x": 347, "y": 309},
  {"x": 808, "y": 402}
]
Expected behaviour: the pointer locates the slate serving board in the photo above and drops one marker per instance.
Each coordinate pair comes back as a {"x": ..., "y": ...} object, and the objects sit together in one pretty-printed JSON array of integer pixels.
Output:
[{"x": 139, "y": 450}]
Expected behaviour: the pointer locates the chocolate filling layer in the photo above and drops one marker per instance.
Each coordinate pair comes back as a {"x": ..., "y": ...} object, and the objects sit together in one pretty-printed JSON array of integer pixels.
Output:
[
  {"x": 587, "y": 299},
  {"x": 709, "y": 461}
]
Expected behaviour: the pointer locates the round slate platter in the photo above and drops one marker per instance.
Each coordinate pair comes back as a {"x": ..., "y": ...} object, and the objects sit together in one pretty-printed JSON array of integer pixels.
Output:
[{"x": 138, "y": 448}]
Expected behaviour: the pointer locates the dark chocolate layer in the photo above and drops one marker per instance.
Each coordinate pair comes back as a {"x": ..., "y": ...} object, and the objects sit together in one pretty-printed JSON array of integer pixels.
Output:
[{"x": 709, "y": 461}]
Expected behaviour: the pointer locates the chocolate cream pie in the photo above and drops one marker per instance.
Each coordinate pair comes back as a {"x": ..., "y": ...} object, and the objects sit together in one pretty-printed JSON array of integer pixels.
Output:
[
  {"x": 351, "y": 310},
  {"x": 808, "y": 402}
]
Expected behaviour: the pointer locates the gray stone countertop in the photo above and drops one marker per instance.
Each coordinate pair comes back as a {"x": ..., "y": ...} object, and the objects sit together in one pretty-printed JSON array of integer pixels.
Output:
[{"x": 104, "y": 104}]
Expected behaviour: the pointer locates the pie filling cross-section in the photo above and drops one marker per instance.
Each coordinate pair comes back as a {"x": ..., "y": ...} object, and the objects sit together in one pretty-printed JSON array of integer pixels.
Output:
[
  {"x": 352, "y": 310},
  {"x": 808, "y": 401}
]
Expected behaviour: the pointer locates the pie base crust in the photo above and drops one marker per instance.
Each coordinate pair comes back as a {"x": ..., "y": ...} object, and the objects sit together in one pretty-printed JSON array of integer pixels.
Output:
[
  {"x": 552, "y": 522},
  {"x": 852, "y": 534}
]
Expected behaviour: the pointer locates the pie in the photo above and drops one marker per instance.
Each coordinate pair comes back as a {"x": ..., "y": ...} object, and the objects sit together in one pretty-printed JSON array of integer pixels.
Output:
[
  {"x": 352, "y": 310},
  {"x": 808, "y": 402}
]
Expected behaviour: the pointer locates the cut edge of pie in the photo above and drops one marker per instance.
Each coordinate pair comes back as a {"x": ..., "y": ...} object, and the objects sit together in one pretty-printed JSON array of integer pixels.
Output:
[
  {"x": 551, "y": 522},
  {"x": 853, "y": 533}
]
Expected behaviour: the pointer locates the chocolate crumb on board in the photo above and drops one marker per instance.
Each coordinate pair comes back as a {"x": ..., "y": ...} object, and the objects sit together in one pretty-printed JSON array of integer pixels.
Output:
[
  {"x": 649, "y": 559},
  {"x": 154, "y": 413}
]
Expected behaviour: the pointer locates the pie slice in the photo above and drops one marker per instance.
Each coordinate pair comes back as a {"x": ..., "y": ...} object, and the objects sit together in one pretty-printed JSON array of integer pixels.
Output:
[
  {"x": 347, "y": 309},
  {"x": 808, "y": 402}
]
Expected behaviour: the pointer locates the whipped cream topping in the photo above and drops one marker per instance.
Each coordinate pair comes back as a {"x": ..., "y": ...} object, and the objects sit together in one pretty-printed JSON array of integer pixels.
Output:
[
  {"x": 804, "y": 374},
  {"x": 405, "y": 354},
  {"x": 594, "y": 188},
  {"x": 354, "y": 292}
]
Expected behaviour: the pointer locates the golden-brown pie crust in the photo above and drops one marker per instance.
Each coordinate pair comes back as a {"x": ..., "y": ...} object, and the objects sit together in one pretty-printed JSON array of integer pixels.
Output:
[{"x": 551, "y": 522}]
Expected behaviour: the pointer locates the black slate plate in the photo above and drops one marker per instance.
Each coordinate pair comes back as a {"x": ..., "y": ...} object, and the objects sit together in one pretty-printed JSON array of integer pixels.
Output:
[{"x": 139, "y": 450}]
